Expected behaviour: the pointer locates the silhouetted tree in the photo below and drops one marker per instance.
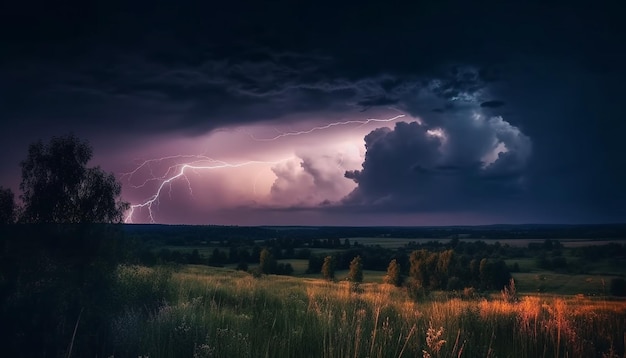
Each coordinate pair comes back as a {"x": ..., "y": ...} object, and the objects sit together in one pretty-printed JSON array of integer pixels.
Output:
[
  {"x": 315, "y": 264},
  {"x": 195, "y": 257},
  {"x": 66, "y": 271},
  {"x": 328, "y": 268},
  {"x": 217, "y": 258},
  {"x": 474, "y": 270},
  {"x": 7, "y": 206},
  {"x": 493, "y": 274},
  {"x": 419, "y": 270},
  {"x": 393, "y": 276},
  {"x": 485, "y": 272},
  {"x": 267, "y": 263},
  {"x": 58, "y": 187},
  {"x": 356, "y": 270}
]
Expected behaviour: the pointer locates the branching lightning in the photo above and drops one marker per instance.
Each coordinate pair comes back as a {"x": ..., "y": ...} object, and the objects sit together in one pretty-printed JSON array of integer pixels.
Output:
[
  {"x": 203, "y": 162},
  {"x": 167, "y": 179},
  {"x": 327, "y": 126}
]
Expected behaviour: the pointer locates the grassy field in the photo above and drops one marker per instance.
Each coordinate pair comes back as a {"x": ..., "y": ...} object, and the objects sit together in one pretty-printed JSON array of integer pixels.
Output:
[
  {"x": 562, "y": 284},
  {"x": 217, "y": 312}
]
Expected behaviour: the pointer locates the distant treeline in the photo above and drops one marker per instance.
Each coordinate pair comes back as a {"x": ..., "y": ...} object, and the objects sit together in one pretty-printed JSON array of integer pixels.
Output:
[
  {"x": 189, "y": 234},
  {"x": 245, "y": 251}
]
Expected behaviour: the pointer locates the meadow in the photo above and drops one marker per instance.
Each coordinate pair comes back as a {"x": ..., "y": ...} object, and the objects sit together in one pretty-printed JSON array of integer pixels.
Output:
[
  {"x": 110, "y": 292},
  {"x": 218, "y": 312}
]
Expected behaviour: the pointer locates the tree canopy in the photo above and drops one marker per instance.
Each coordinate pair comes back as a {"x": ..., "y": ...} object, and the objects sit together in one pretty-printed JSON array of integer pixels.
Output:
[
  {"x": 328, "y": 268},
  {"x": 267, "y": 262},
  {"x": 393, "y": 276},
  {"x": 58, "y": 187},
  {"x": 356, "y": 270}
]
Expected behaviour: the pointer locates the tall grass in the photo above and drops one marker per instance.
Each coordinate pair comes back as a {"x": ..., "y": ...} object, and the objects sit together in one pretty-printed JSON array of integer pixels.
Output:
[{"x": 221, "y": 313}]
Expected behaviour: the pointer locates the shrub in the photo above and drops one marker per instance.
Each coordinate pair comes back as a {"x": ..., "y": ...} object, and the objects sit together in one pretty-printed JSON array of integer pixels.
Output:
[
  {"x": 454, "y": 284},
  {"x": 284, "y": 269},
  {"x": 469, "y": 292},
  {"x": 416, "y": 291},
  {"x": 242, "y": 266},
  {"x": 328, "y": 268},
  {"x": 393, "y": 276},
  {"x": 267, "y": 263},
  {"x": 509, "y": 293},
  {"x": 356, "y": 270}
]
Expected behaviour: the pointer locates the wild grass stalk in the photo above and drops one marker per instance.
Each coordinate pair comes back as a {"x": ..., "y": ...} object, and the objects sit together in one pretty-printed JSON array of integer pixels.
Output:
[{"x": 218, "y": 313}]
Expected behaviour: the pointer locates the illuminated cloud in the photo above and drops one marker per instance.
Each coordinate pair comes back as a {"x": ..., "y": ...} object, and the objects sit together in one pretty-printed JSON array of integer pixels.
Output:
[
  {"x": 294, "y": 168},
  {"x": 460, "y": 160},
  {"x": 314, "y": 178}
]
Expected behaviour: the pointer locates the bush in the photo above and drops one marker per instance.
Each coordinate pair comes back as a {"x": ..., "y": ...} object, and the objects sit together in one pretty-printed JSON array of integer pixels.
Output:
[
  {"x": 315, "y": 264},
  {"x": 284, "y": 269},
  {"x": 454, "y": 284},
  {"x": 242, "y": 266},
  {"x": 256, "y": 272},
  {"x": 328, "y": 268},
  {"x": 267, "y": 262},
  {"x": 356, "y": 270},
  {"x": 393, "y": 276},
  {"x": 469, "y": 293},
  {"x": 416, "y": 291},
  {"x": 509, "y": 292}
]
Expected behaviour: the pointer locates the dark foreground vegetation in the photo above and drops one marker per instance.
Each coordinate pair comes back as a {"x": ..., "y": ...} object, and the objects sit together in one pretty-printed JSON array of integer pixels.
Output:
[{"x": 76, "y": 282}]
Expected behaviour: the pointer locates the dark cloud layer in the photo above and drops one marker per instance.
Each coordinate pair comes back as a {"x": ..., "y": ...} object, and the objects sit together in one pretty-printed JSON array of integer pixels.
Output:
[
  {"x": 542, "y": 81},
  {"x": 492, "y": 104}
]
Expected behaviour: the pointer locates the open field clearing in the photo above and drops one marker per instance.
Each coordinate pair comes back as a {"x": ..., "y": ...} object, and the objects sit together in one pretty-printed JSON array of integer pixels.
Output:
[
  {"x": 394, "y": 243},
  {"x": 562, "y": 284},
  {"x": 568, "y": 243},
  {"x": 216, "y": 312},
  {"x": 391, "y": 242}
]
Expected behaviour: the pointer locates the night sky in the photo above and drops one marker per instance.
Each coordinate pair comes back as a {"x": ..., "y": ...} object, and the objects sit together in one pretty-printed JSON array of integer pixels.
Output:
[{"x": 328, "y": 113}]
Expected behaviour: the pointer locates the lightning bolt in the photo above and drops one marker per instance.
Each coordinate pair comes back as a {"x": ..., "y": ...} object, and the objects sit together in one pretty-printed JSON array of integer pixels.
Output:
[
  {"x": 179, "y": 171},
  {"x": 327, "y": 126},
  {"x": 202, "y": 162},
  {"x": 149, "y": 163}
]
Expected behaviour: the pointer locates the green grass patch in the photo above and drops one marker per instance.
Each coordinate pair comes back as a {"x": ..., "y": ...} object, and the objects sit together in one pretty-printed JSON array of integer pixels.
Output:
[
  {"x": 299, "y": 266},
  {"x": 562, "y": 284}
]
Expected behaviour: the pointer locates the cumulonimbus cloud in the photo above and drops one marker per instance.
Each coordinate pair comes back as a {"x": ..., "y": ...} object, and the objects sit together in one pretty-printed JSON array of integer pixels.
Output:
[{"x": 462, "y": 159}]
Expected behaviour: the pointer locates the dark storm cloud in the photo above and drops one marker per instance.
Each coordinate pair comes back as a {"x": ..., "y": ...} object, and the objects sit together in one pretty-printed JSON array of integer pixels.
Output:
[
  {"x": 377, "y": 101},
  {"x": 465, "y": 163},
  {"x": 562, "y": 161},
  {"x": 492, "y": 104},
  {"x": 196, "y": 67},
  {"x": 391, "y": 158},
  {"x": 140, "y": 94},
  {"x": 143, "y": 68}
]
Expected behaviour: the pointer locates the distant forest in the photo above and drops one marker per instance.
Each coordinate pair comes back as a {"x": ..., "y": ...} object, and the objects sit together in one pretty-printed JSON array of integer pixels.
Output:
[
  {"x": 241, "y": 246},
  {"x": 188, "y": 233}
]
